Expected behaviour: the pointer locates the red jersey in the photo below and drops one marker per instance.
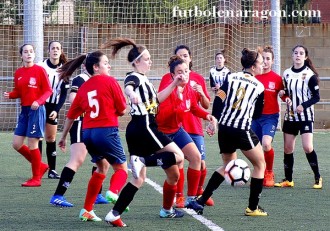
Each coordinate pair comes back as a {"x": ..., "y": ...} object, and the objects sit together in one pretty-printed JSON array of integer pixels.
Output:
[
  {"x": 191, "y": 123},
  {"x": 31, "y": 84},
  {"x": 174, "y": 110},
  {"x": 103, "y": 101},
  {"x": 273, "y": 84}
]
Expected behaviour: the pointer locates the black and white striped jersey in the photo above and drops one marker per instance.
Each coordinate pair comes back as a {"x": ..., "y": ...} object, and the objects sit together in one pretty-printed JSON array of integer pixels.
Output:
[
  {"x": 239, "y": 99},
  {"x": 217, "y": 76},
  {"x": 148, "y": 102},
  {"x": 58, "y": 86},
  {"x": 302, "y": 87}
]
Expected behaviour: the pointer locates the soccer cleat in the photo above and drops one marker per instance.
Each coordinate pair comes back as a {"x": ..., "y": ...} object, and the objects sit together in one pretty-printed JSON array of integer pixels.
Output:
[
  {"x": 318, "y": 183},
  {"x": 192, "y": 203},
  {"x": 209, "y": 202},
  {"x": 32, "y": 183},
  {"x": 269, "y": 179},
  {"x": 258, "y": 212},
  {"x": 284, "y": 184},
  {"x": 112, "y": 198},
  {"x": 136, "y": 166},
  {"x": 60, "y": 201},
  {"x": 114, "y": 220},
  {"x": 43, "y": 169},
  {"x": 88, "y": 216},
  {"x": 52, "y": 174},
  {"x": 101, "y": 200},
  {"x": 180, "y": 202},
  {"x": 172, "y": 213}
]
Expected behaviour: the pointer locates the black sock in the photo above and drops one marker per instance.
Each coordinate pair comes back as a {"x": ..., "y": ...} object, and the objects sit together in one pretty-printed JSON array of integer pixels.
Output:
[
  {"x": 312, "y": 160},
  {"x": 125, "y": 198},
  {"x": 93, "y": 170},
  {"x": 255, "y": 192},
  {"x": 288, "y": 166},
  {"x": 214, "y": 182},
  {"x": 40, "y": 146},
  {"x": 51, "y": 154},
  {"x": 65, "y": 181},
  {"x": 165, "y": 159}
]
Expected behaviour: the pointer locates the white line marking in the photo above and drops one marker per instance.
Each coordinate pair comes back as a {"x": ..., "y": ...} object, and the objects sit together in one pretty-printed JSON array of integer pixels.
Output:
[{"x": 209, "y": 224}]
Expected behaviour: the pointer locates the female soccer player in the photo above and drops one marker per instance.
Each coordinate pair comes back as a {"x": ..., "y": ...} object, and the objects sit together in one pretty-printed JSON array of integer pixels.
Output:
[
  {"x": 54, "y": 103},
  {"x": 31, "y": 85},
  {"x": 146, "y": 144},
  {"x": 78, "y": 153},
  {"x": 219, "y": 72},
  {"x": 102, "y": 101},
  {"x": 238, "y": 100},
  {"x": 265, "y": 126},
  {"x": 301, "y": 85},
  {"x": 172, "y": 111},
  {"x": 192, "y": 124}
]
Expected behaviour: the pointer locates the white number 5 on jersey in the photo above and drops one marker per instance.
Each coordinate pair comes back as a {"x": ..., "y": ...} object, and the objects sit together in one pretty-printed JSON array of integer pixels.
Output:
[{"x": 92, "y": 101}]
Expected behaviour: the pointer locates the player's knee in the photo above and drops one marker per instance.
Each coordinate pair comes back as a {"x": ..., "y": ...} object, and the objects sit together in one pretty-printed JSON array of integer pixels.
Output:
[
  {"x": 308, "y": 148},
  {"x": 266, "y": 146},
  {"x": 50, "y": 138}
]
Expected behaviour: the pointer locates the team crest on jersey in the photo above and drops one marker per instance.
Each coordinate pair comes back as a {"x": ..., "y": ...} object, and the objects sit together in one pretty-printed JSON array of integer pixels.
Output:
[
  {"x": 32, "y": 81},
  {"x": 188, "y": 104},
  {"x": 304, "y": 75},
  {"x": 306, "y": 128},
  {"x": 271, "y": 85}
]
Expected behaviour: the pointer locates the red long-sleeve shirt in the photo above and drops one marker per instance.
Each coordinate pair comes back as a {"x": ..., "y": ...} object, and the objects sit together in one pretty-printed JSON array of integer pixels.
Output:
[
  {"x": 173, "y": 111},
  {"x": 273, "y": 84},
  {"x": 31, "y": 84}
]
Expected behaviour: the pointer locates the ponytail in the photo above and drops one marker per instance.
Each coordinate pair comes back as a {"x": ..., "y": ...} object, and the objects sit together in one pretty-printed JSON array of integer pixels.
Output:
[
  {"x": 116, "y": 45},
  {"x": 89, "y": 60}
]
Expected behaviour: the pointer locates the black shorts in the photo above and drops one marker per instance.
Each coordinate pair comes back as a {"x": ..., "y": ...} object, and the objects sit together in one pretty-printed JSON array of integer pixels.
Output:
[
  {"x": 230, "y": 139},
  {"x": 76, "y": 132},
  {"x": 143, "y": 137},
  {"x": 294, "y": 127},
  {"x": 50, "y": 107}
]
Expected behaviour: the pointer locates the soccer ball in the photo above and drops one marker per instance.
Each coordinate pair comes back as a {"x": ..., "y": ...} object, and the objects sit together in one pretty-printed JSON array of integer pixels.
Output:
[{"x": 237, "y": 172}]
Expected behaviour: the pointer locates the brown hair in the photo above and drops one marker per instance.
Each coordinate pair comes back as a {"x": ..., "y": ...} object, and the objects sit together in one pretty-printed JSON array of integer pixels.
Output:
[
  {"x": 269, "y": 49},
  {"x": 308, "y": 61},
  {"x": 89, "y": 60},
  {"x": 63, "y": 58},
  {"x": 25, "y": 44},
  {"x": 174, "y": 61},
  {"x": 249, "y": 57},
  {"x": 220, "y": 52},
  {"x": 186, "y": 48},
  {"x": 119, "y": 43}
]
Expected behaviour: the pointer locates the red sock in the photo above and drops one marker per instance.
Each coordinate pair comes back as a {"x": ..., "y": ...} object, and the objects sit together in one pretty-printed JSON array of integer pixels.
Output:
[
  {"x": 25, "y": 151},
  {"x": 180, "y": 184},
  {"x": 93, "y": 188},
  {"x": 202, "y": 178},
  {"x": 193, "y": 177},
  {"x": 118, "y": 180},
  {"x": 35, "y": 163},
  {"x": 168, "y": 195},
  {"x": 269, "y": 158}
]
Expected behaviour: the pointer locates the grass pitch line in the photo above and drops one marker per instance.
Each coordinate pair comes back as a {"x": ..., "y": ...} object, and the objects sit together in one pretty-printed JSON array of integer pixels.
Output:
[{"x": 209, "y": 224}]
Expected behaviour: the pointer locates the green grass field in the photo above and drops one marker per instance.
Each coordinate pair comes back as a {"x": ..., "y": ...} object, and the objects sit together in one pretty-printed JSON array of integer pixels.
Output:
[{"x": 298, "y": 208}]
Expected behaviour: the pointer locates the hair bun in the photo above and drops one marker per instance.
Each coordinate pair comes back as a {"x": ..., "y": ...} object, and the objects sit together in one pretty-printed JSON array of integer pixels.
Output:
[{"x": 245, "y": 51}]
